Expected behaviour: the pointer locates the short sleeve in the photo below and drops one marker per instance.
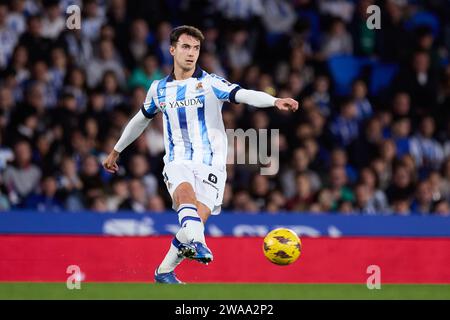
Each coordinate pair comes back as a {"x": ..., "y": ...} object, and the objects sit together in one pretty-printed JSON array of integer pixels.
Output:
[
  {"x": 223, "y": 89},
  {"x": 149, "y": 108}
]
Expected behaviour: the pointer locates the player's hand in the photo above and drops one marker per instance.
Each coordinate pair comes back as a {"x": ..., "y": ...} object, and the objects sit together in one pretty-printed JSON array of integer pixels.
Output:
[
  {"x": 286, "y": 104},
  {"x": 110, "y": 164}
]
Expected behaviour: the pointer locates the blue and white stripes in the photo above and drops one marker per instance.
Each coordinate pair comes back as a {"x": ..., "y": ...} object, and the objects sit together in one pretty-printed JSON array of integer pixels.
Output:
[
  {"x": 161, "y": 93},
  {"x": 206, "y": 144},
  {"x": 187, "y": 212},
  {"x": 192, "y": 113},
  {"x": 191, "y": 223},
  {"x": 181, "y": 96}
]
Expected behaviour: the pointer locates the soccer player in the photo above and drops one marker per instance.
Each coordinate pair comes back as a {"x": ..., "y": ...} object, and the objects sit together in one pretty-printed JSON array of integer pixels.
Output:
[{"x": 191, "y": 100}]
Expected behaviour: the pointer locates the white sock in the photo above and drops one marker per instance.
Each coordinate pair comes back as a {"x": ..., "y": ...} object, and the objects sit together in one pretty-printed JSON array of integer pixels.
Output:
[
  {"x": 172, "y": 260},
  {"x": 191, "y": 223}
]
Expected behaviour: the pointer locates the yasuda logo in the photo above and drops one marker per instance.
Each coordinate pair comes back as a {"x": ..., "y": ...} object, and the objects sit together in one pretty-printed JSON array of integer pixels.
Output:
[{"x": 194, "y": 102}]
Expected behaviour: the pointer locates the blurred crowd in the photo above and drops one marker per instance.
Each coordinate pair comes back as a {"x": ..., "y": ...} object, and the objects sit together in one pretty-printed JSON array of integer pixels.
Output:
[{"x": 65, "y": 96}]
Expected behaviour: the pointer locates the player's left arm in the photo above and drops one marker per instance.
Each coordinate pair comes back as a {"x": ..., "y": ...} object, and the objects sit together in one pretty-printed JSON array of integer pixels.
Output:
[
  {"x": 261, "y": 99},
  {"x": 226, "y": 91}
]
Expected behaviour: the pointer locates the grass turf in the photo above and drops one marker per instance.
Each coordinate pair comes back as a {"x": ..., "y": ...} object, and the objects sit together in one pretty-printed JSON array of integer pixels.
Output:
[{"x": 219, "y": 291}]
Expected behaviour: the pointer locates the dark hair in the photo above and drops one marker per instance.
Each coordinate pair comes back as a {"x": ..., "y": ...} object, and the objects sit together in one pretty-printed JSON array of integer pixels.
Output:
[{"x": 189, "y": 30}]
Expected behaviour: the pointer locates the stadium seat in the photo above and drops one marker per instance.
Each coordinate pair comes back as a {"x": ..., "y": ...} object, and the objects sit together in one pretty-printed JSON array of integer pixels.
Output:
[
  {"x": 424, "y": 18},
  {"x": 314, "y": 25},
  {"x": 381, "y": 76},
  {"x": 344, "y": 70}
]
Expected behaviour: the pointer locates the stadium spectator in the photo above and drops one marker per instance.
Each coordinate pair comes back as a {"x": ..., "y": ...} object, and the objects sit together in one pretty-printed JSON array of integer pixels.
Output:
[
  {"x": 393, "y": 43},
  {"x": 402, "y": 186},
  {"x": 260, "y": 189},
  {"x": 137, "y": 47},
  {"x": 90, "y": 177},
  {"x": 21, "y": 178},
  {"x": 298, "y": 63},
  {"x": 363, "y": 105},
  {"x": 211, "y": 64},
  {"x": 139, "y": 168},
  {"x": 378, "y": 200},
  {"x": 16, "y": 19},
  {"x": 68, "y": 104},
  {"x": 300, "y": 165},
  {"x": 321, "y": 95},
  {"x": 112, "y": 90},
  {"x": 425, "y": 39},
  {"x": 383, "y": 171},
  {"x": 58, "y": 69},
  {"x": 246, "y": 11},
  {"x": 401, "y": 206},
  {"x": 75, "y": 84},
  {"x": 441, "y": 208},
  {"x": 426, "y": 150},
  {"x": 345, "y": 127},
  {"x": 47, "y": 199},
  {"x": 337, "y": 40},
  {"x": 324, "y": 202},
  {"x": 6, "y": 155},
  {"x": 388, "y": 151},
  {"x": 338, "y": 185},
  {"x": 156, "y": 204},
  {"x": 401, "y": 105},
  {"x": 420, "y": 82},
  {"x": 98, "y": 204},
  {"x": 338, "y": 158},
  {"x": 436, "y": 185},
  {"x": 53, "y": 22},
  {"x": 65, "y": 116},
  {"x": 93, "y": 19},
  {"x": 303, "y": 197},
  {"x": 239, "y": 54},
  {"x": 107, "y": 59},
  {"x": 119, "y": 193},
  {"x": 19, "y": 64},
  {"x": 163, "y": 44},
  {"x": 445, "y": 171},
  {"x": 345, "y": 207},
  {"x": 137, "y": 200},
  {"x": 401, "y": 129},
  {"x": 78, "y": 47},
  {"x": 40, "y": 75},
  {"x": 37, "y": 45},
  {"x": 243, "y": 202},
  {"x": 148, "y": 71},
  {"x": 276, "y": 202},
  {"x": 423, "y": 200},
  {"x": 7, "y": 35},
  {"x": 70, "y": 185}
]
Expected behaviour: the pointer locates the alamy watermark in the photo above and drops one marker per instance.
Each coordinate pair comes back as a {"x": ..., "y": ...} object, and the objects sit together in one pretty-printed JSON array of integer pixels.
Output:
[
  {"x": 255, "y": 147},
  {"x": 374, "y": 280},
  {"x": 75, "y": 278},
  {"x": 73, "y": 20},
  {"x": 374, "y": 19}
]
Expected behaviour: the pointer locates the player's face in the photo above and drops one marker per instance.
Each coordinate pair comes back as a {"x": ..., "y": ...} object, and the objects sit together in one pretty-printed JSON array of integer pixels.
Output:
[{"x": 185, "y": 52}]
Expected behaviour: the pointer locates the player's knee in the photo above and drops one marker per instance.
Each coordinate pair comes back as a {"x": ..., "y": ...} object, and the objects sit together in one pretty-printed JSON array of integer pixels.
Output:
[{"x": 184, "y": 193}]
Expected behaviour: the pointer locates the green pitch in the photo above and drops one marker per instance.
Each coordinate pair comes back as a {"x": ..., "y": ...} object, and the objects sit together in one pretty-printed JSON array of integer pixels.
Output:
[{"x": 138, "y": 291}]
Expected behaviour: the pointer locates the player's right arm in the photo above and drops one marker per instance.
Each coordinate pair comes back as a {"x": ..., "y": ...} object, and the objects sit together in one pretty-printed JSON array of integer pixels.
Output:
[{"x": 133, "y": 129}]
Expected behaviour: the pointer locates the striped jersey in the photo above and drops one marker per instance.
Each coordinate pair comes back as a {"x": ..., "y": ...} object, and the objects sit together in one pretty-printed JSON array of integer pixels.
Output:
[{"x": 192, "y": 116}]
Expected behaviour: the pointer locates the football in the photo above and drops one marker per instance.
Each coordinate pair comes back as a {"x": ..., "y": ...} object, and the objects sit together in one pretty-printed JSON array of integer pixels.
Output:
[{"x": 282, "y": 246}]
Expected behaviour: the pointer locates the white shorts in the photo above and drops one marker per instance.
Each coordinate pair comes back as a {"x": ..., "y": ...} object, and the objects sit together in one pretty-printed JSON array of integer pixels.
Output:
[{"x": 208, "y": 182}]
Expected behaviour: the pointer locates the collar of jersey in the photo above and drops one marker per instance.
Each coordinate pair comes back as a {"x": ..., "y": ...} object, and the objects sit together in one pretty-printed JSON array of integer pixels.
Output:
[{"x": 197, "y": 74}]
